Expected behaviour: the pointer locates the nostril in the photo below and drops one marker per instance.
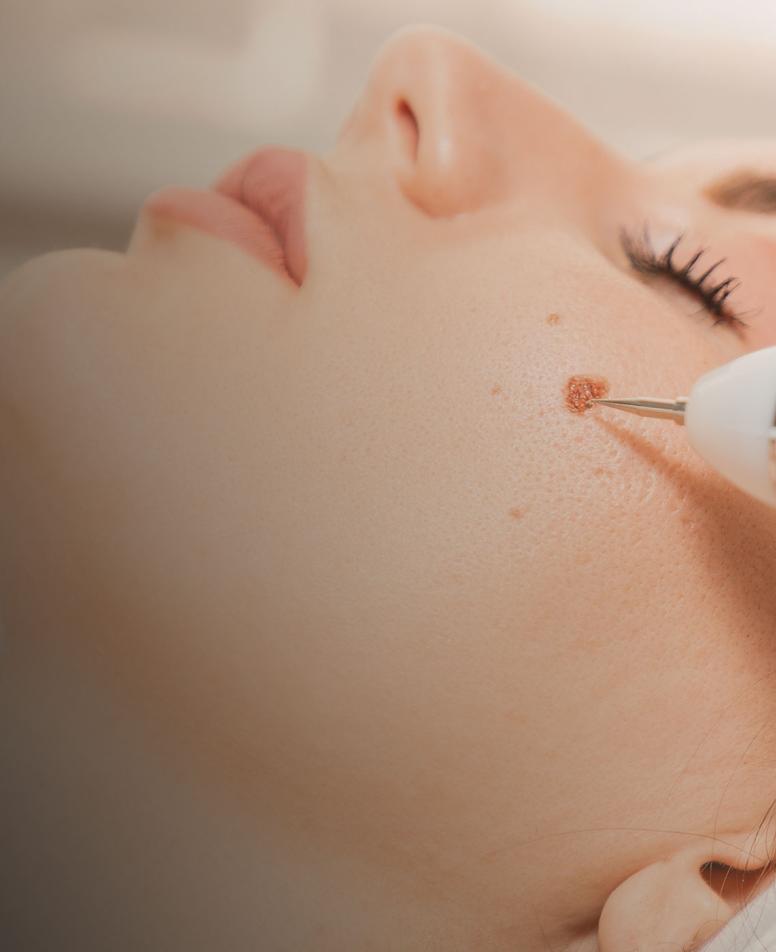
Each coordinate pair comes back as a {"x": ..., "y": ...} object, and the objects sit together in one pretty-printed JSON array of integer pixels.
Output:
[{"x": 408, "y": 127}]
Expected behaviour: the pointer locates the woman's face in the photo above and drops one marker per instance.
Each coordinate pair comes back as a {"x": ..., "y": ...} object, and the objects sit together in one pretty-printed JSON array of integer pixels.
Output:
[{"x": 345, "y": 543}]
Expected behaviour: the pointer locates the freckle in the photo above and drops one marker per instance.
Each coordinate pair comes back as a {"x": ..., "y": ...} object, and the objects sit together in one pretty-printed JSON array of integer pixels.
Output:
[
  {"x": 581, "y": 388},
  {"x": 553, "y": 318},
  {"x": 600, "y": 471},
  {"x": 516, "y": 513},
  {"x": 496, "y": 389}
]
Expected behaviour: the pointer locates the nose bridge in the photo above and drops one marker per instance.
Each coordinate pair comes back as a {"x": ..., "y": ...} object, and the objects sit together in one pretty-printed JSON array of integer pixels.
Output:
[{"x": 463, "y": 132}]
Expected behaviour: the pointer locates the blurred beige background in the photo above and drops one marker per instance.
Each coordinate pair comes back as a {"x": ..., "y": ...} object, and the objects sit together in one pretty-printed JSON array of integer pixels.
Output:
[{"x": 103, "y": 101}]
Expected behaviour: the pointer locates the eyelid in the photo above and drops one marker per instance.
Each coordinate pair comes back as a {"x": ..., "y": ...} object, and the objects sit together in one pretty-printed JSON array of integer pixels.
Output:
[{"x": 643, "y": 258}]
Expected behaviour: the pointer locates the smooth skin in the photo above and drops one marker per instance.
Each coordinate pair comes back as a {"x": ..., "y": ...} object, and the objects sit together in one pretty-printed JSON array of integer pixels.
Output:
[{"x": 468, "y": 671}]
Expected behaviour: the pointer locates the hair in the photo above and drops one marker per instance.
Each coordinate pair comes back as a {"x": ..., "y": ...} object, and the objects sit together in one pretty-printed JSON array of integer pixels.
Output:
[{"x": 742, "y": 884}]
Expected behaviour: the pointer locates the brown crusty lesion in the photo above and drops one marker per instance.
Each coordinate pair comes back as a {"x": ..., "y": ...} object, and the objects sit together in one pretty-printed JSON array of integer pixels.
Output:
[{"x": 581, "y": 388}]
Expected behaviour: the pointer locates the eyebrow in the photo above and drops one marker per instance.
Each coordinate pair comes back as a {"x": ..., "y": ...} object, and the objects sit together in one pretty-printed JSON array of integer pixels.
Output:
[{"x": 745, "y": 191}]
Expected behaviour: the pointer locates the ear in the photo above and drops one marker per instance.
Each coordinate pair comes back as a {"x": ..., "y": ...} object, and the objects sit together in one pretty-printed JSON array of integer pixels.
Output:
[{"x": 682, "y": 901}]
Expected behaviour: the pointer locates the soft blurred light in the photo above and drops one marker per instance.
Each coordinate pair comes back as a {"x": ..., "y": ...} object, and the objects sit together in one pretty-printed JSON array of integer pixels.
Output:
[
  {"x": 270, "y": 77},
  {"x": 690, "y": 19}
]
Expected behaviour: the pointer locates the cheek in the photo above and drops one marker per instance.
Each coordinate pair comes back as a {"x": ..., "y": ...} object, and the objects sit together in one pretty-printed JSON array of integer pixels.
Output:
[{"x": 595, "y": 530}]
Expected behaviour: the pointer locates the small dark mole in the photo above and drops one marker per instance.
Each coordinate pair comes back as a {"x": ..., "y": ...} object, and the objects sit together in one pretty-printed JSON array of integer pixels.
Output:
[
  {"x": 581, "y": 388},
  {"x": 553, "y": 318},
  {"x": 516, "y": 513},
  {"x": 496, "y": 389}
]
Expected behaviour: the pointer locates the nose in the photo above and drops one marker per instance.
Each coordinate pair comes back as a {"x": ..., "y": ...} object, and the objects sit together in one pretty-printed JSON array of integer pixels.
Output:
[{"x": 460, "y": 132}]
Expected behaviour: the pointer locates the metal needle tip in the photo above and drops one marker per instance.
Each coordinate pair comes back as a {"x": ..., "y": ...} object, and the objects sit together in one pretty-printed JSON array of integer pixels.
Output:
[{"x": 646, "y": 406}]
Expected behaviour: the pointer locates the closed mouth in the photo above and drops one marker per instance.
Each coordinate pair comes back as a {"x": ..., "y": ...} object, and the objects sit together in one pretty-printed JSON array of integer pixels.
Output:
[
  {"x": 258, "y": 205},
  {"x": 271, "y": 183}
]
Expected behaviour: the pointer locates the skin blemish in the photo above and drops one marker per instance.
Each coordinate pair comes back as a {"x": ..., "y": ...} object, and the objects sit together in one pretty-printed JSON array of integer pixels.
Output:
[
  {"x": 581, "y": 388},
  {"x": 553, "y": 318},
  {"x": 496, "y": 389},
  {"x": 516, "y": 513}
]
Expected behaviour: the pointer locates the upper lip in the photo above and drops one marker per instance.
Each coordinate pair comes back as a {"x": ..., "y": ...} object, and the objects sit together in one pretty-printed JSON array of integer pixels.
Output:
[{"x": 271, "y": 183}]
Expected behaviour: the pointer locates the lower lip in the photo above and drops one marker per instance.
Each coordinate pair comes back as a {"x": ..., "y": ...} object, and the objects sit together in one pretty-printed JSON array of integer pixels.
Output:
[{"x": 268, "y": 222}]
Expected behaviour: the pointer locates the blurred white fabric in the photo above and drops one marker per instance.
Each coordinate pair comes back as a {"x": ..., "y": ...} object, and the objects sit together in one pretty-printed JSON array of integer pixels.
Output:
[
  {"x": 104, "y": 101},
  {"x": 752, "y": 930}
]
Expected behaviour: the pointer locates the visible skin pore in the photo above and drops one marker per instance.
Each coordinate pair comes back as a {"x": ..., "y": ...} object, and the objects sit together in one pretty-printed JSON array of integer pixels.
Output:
[{"x": 329, "y": 627}]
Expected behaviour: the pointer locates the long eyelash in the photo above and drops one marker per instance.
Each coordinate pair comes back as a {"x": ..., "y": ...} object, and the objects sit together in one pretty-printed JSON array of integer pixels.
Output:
[{"x": 645, "y": 260}]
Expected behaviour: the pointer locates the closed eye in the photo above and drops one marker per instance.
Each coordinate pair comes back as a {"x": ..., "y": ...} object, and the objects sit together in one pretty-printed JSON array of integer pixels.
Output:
[{"x": 693, "y": 276}]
